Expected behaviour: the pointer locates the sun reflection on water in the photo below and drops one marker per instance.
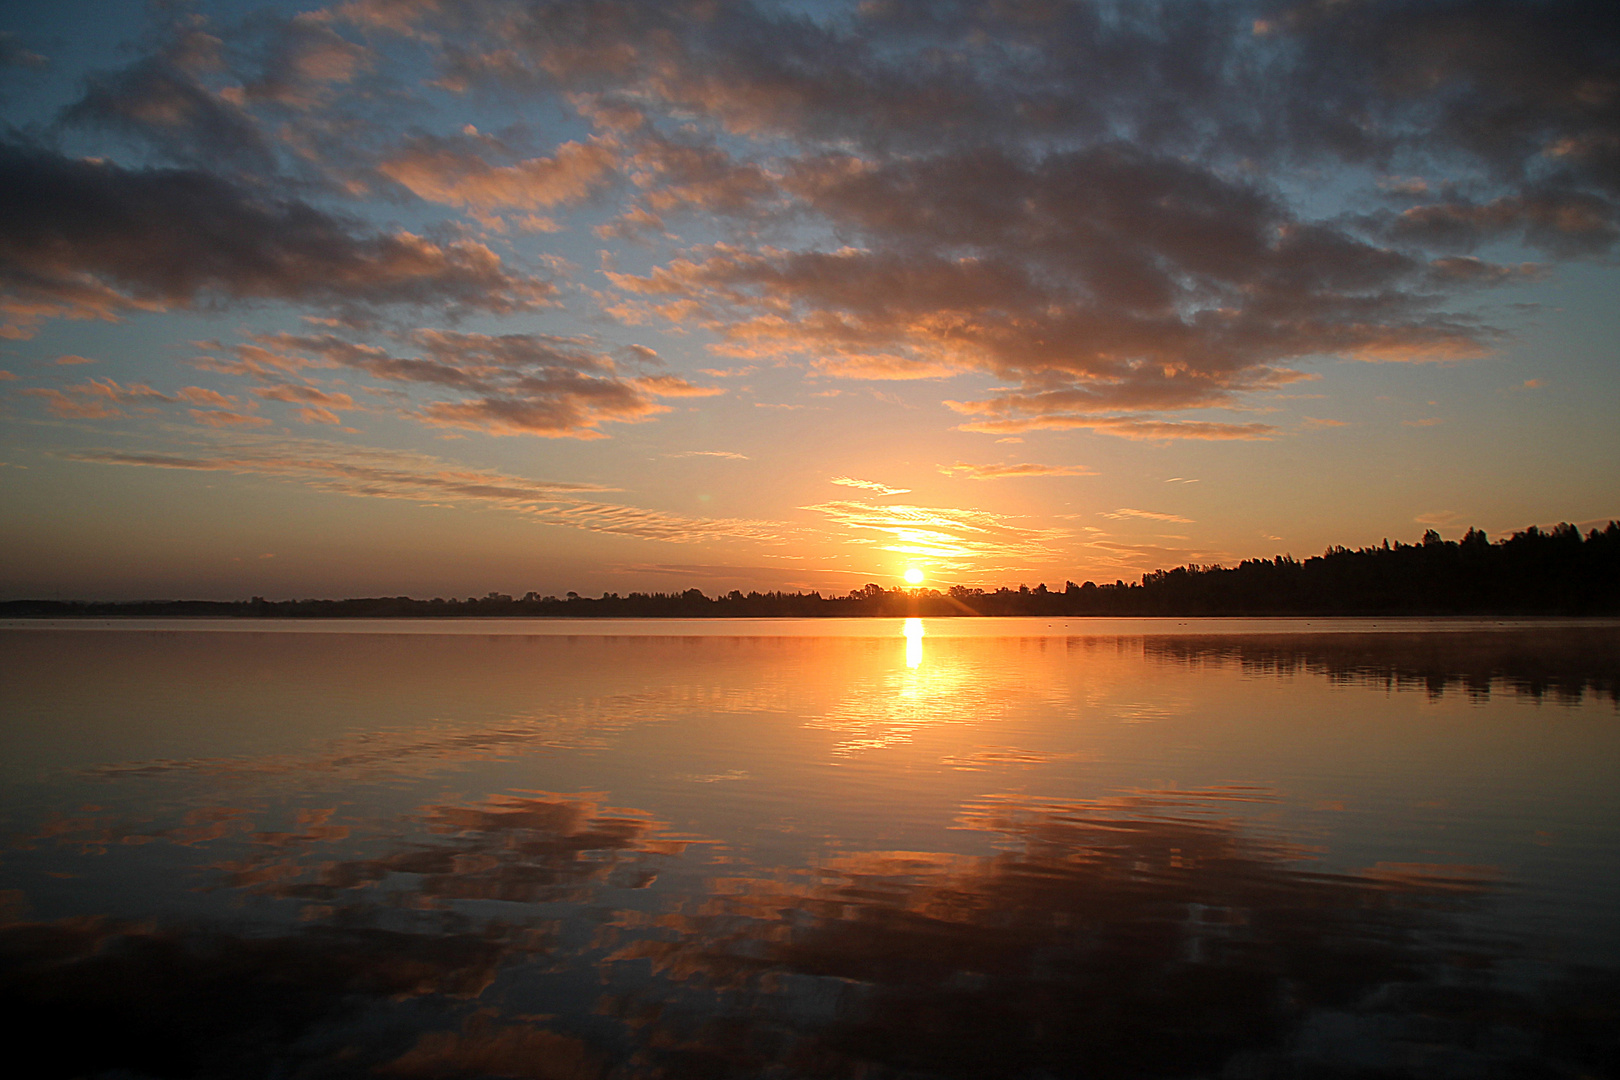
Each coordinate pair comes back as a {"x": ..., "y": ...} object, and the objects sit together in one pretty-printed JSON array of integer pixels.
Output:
[{"x": 914, "y": 636}]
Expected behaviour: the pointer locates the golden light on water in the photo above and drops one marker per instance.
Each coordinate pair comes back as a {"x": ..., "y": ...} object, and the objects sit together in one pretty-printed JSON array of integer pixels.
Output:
[
  {"x": 914, "y": 576},
  {"x": 914, "y": 634}
]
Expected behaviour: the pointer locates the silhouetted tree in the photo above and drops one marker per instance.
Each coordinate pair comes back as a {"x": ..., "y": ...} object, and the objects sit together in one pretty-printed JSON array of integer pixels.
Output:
[{"x": 1532, "y": 572}]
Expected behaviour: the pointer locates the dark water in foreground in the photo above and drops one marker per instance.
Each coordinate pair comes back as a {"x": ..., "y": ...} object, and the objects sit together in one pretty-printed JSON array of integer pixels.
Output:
[{"x": 1000, "y": 848}]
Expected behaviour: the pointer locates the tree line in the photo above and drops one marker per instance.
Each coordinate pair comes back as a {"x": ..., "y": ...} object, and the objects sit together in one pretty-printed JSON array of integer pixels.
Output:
[{"x": 1532, "y": 572}]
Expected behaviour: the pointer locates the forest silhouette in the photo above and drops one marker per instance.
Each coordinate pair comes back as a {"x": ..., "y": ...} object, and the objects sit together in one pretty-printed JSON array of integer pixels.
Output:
[{"x": 1531, "y": 572}]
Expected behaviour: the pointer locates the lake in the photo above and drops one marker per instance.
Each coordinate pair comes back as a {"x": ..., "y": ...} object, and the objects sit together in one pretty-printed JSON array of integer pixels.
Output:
[{"x": 862, "y": 848}]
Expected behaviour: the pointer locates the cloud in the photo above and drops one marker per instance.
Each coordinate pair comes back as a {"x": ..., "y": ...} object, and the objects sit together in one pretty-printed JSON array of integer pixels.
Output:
[
  {"x": 675, "y": 176},
  {"x": 354, "y": 471},
  {"x": 1104, "y": 279},
  {"x": 224, "y": 418},
  {"x": 316, "y": 406},
  {"x": 452, "y": 170},
  {"x": 1076, "y": 198},
  {"x": 97, "y": 399},
  {"x": 636, "y": 224},
  {"x": 70, "y": 408},
  {"x": 1518, "y": 91},
  {"x": 520, "y": 384},
  {"x": 568, "y": 406},
  {"x": 709, "y": 453},
  {"x": 85, "y": 239},
  {"x": 304, "y": 59},
  {"x": 1497, "y": 87},
  {"x": 880, "y": 74},
  {"x": 1001, "y": 472},
  {"x": 1507, "y": 92},
  {"x": 12, "y": 54},
  {"x": 1097, "y": 206},
  {"x": 656, "y": 524},
  {"x": 1560, "y": 222},
  {"x": 1320, "y": 422},
  {"x": 304, "y": 395},
  {"x": 953, "y": 538},
  {"x": 162, "y": 101},
  {"x": 1126, "y": 558},
  {"x": 254, "y": 361},
  {"x": 199, "y": 395},
  {"x": 1466, "y": 270},
  {"x": 675, "y": 386},
  {"x": 70, "y": 359},
  {"x": 1126, "y": 427},
  {"x": 1125, "y": 512},
  {"x": 869, "y": 485}
]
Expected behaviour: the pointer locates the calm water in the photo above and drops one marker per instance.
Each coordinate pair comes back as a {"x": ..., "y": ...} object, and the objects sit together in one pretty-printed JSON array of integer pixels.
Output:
[{"x": 1004, "y": 848}]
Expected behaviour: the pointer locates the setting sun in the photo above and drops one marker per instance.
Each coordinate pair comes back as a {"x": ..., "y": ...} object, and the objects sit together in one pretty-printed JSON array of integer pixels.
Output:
[{"x": 914, "y": 576}]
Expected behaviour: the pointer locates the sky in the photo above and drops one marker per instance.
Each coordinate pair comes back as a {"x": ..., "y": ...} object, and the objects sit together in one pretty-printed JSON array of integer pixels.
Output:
[{"x": 411, "y": 297}]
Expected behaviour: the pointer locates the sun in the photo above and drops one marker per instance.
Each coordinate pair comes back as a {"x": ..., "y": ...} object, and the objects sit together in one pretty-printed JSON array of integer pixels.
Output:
[{"x": 914, "y": 576}]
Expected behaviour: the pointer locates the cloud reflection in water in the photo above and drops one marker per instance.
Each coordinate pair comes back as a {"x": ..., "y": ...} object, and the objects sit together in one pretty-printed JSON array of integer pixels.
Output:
[{"x": 968, "y": 889}]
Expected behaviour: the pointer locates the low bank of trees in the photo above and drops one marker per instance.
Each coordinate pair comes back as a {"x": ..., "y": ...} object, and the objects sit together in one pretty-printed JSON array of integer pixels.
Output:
[{"x": 1533, "y": 572}]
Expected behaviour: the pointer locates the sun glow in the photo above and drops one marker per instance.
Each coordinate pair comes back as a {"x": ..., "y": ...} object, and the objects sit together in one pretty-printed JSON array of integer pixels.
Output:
[{"x": 914, "y": 576}]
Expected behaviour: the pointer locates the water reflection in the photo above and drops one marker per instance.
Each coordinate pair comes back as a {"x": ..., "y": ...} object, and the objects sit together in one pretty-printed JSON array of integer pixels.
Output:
[
  {"x": 1562, "y": 663},
  {"x": 1142, "y": 936},
  {"x": 882, "y": 705},
  {"x": 528, "y": 848},
  {"x": 1025, "y": 856},
  {"x": 914, "y": 635}
]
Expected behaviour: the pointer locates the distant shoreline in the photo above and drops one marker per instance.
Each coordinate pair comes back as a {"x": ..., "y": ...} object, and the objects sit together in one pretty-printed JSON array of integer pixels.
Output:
[
  {"x": 1533, "y": 573},
  {"x": 1220, "y": 624},
  {"x": 9, "y": 612}
]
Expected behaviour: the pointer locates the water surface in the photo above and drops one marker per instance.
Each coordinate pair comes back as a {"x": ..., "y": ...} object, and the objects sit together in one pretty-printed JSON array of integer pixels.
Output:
[{"x": 1003, "y": 847}]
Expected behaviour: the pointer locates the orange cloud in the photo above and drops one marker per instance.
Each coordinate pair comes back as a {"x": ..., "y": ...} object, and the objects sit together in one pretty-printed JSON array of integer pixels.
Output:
[
  {"x": 453, "y": 171},
  {"x": 869, "y": 485},
  {"x": 952, "y": 538},
  {"x": 1127, "y": 427},
  {"x": 521, "y": 384},
  {"x": 97, "y": 399},
  {"x": 675, "y": 386},
  {"x": 198, "y": 395},
  {"x": 305, "y": 395},
  {"x": 418, "y": 477},
  {"x": 674, "y": 176},
  {"x": 224, "y": 418},
  {"x": 1150, "y": 515},
  {"x": 1002, "y": 472},
  {"x": 72, "y": 408}
]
